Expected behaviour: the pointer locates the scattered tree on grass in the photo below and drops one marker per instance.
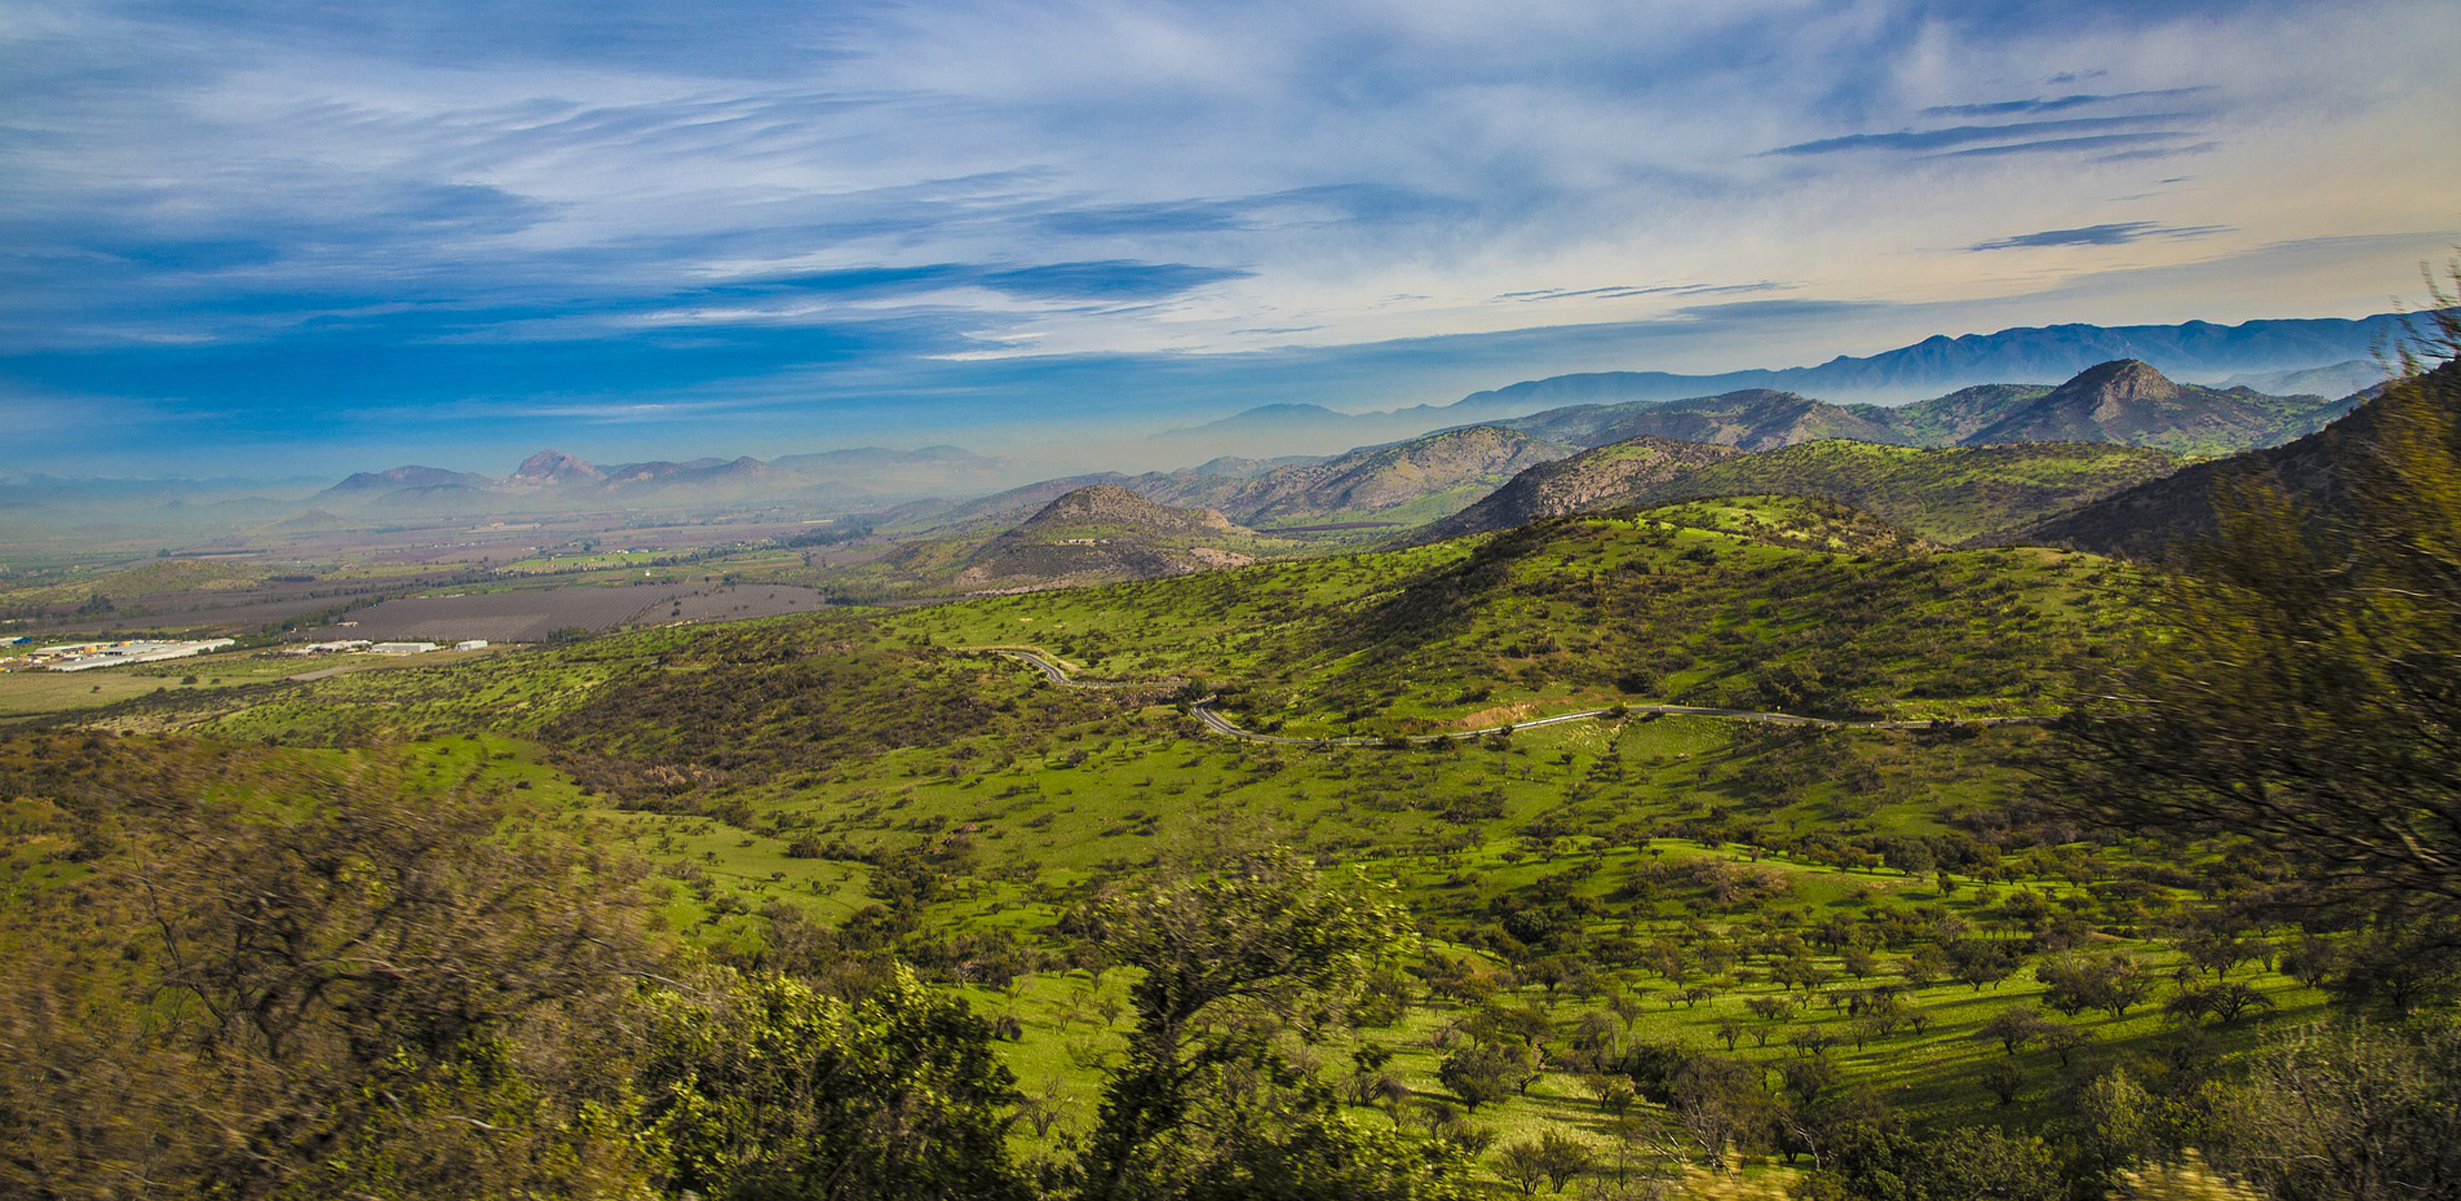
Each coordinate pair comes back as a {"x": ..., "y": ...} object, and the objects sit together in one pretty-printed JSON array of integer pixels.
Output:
[
  {"x": 2111, "y": 983},
  {"x": 1485, "y": 1073}
]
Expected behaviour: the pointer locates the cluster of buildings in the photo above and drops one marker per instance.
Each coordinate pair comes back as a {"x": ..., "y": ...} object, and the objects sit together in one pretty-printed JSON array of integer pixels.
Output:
[
  {"x": 83, "y": 656},
  {"x": 362, "y": 645}
]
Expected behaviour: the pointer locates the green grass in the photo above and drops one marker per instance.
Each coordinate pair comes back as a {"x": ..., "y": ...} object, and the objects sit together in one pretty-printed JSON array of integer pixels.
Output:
[
  {"x": 33, "y": 693},
  {"x": 132, "y": 580}
]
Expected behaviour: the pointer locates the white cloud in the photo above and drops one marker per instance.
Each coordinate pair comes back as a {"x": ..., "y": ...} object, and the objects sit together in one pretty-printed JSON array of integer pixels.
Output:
[{"x": 1316, "y": 159}]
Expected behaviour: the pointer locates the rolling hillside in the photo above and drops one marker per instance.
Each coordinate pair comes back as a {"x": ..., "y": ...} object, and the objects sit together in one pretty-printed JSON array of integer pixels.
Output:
[
  {"x": 1605, "y": 477},
  {"x": 1950, "y": 494}
]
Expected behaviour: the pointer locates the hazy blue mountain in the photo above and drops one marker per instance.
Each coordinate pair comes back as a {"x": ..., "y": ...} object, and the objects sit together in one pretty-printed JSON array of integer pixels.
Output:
[
  {"x": 1404, "y": 483},
  {"x": 1931, "y": 368},
  {"x": 2338, "y": 379},
  {"x": 398, "y": 478}
]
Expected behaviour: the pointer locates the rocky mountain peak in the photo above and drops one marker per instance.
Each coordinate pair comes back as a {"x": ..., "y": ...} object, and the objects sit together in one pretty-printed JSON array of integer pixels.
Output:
[
  {"x": 1111, "y": 505},
  {"x": 2124, "y": 380},
  {"x": 555, "y": 467}
]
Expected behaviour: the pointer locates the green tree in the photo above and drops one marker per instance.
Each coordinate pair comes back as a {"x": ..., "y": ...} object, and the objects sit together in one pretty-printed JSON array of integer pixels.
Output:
[
  {"x": 1552, "y": 1159},
  {"x": 1234, "y": 963},
  {"x": 765, "y": 1088},
  {"x": 346, "y": 992},
  {"x": 1485, "y": 1072},
  {"x": 2362, "y": 1112},
  {"x": 2075, "y": 983},
  {"x": 2014, "y": 1027}
]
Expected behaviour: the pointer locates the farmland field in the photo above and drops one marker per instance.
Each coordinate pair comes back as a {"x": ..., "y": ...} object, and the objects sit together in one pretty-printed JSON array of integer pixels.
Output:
[{"x": 529, "y": 615}]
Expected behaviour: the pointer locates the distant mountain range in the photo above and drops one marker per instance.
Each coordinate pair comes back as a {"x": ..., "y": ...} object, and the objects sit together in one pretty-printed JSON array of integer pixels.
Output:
[
  {"x": 1398, "y": 484},
  {"x": 1588, "y": 457},
  {"x": 2126, "y": 402},
  {"x": 2272, "y": 381},
  {"x": 2082, "y": 466},
  {"x": 2325, "y": 356},
  {"x": 554, "y": 479},
  {"x": 1957, "y": 387}
]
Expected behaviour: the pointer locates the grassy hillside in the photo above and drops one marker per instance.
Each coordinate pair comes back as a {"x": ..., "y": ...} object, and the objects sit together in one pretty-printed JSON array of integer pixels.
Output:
[
  {"x": 815, "y": 793},
  {"x": 1946, "y": 494},
  {"x": 2163, "y": 517},
  {"x": 1746, "y": 600}
]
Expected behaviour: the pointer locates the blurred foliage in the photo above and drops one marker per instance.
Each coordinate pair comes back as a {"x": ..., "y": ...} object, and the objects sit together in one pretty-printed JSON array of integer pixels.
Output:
[{"x": 2303, "y": 688}]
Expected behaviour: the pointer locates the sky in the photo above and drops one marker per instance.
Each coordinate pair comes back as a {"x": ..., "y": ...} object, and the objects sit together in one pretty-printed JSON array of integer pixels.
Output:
[{"x": 254, "y": 236}]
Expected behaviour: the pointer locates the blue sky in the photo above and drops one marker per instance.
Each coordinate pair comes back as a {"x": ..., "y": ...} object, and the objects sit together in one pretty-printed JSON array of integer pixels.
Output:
[{"x": 324, "y": 236}]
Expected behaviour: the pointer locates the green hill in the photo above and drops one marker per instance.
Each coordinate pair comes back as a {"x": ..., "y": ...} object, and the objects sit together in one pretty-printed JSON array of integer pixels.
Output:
[
  {"x": 1695, "y": 603},
  {"x": 1950, "y": 494},
  {"x": 829, "y": 795},
  {"x": 1092, "y": 534}
]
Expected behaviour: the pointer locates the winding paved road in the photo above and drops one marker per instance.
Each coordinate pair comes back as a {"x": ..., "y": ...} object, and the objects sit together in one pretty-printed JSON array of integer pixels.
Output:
[
  {"x": 1214, "y": 722},
  {"x": 1052, "y": 671}
]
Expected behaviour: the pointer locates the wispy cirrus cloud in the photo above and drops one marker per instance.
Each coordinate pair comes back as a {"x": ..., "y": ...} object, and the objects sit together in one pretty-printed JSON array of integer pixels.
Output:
[
  {"x": 2153, "y": 144},
  {"x": 2038, "y": 104},
  {"x": 1627, "y": 291},
  {"x": 2077, "y": 131},
  {"x": 2117, "y": 233}
]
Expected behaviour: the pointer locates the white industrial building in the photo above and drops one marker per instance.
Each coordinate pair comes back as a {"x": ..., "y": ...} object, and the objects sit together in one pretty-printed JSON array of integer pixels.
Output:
[{"x": 89, "y": 655}]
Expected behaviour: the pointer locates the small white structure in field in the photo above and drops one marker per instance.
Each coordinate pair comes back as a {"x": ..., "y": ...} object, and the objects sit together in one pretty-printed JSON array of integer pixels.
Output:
[
  {"x": 402, "y": 648},
  {"x": 471, "y": 644}
]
